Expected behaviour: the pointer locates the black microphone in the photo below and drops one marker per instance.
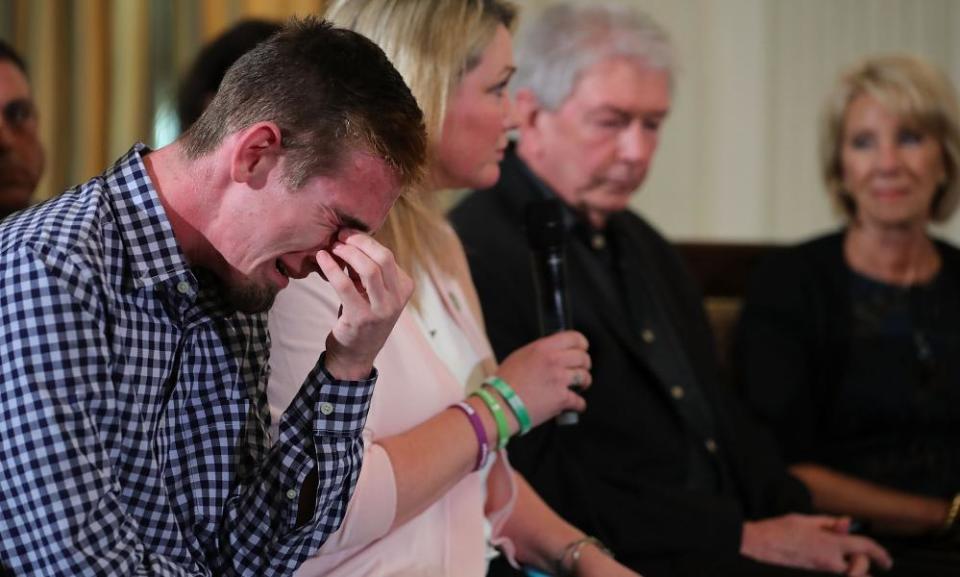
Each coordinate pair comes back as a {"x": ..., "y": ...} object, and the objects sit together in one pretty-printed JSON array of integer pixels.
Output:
[{"x": 546, "y": 236}]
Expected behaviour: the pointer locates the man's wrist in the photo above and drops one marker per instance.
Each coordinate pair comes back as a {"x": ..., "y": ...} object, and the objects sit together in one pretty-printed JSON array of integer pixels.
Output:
[
  {"x": 747, "y": 539},
  {"x": 344, "y": 370}
]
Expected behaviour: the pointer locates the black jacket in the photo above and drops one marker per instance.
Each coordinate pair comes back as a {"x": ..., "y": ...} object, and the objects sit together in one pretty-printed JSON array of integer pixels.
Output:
[{"x": 881, "y": 413}]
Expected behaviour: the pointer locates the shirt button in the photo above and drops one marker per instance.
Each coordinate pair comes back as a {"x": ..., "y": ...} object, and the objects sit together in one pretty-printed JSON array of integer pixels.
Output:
[
  {"x": 711, "y": 445},
  {"x": 677, "y": 392},
  {"x": 648, "y": 336},
  {"x": 598, "y": 241},
  {"x": 292, "y": 494},
  {"x": 183, "y": 287},
  {"x": 326, "y": 408}
]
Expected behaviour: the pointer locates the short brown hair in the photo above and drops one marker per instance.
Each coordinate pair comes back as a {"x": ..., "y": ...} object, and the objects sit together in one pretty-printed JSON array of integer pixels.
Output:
[
  {"x": 914, "y": 90},
  {"x": 329, "y": 90},
  {"x": 212, "y": 62}
]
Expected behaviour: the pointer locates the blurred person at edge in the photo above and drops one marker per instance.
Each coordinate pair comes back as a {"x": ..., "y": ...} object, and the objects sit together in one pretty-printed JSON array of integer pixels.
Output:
[
  {"x": 849, "y": 344},
  {"x": 21, "y": 154},
  {"x": 426, "y": 502},
  {"x": 664, "y": 466}
]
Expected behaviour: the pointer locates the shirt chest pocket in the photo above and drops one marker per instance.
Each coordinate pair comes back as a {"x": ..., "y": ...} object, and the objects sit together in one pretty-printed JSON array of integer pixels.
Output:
[{"x": 206, "y": 456}]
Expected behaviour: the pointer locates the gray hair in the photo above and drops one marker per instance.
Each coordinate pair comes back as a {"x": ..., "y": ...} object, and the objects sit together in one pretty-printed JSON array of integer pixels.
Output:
[{"x": 555, "y": 46}]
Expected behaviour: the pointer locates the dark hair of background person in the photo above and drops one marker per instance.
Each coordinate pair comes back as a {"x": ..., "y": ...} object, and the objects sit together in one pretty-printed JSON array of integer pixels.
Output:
[
  {"x": 211, "y": 64},
  {"x": 329, "y": 90},
  {"x": 9, "y": 54}
]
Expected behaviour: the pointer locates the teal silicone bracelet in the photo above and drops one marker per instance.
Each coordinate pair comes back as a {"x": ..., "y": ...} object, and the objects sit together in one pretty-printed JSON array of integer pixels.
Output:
[
  {"x": 503, "y": 429},
  {"x": 512, "y": 399}
]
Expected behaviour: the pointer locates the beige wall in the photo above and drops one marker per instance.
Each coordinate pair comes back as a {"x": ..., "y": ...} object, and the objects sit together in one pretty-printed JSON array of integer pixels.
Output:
[{"x": 738, "y": 154}]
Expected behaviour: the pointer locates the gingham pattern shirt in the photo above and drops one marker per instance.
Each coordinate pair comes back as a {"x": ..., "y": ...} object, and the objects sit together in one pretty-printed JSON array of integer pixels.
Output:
[{"x": 133, "y": 415}]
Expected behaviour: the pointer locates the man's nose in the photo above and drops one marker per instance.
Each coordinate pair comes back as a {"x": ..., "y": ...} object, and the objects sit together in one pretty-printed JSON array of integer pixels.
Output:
[
  {"x": 633, "y": 145},
  {"x": 304, "y": 264}
]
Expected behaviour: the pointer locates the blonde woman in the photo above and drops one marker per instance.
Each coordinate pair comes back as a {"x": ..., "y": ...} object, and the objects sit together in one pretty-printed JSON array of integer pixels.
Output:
[
  {"x": 429, "y": 500},
  {"x": 849, "y": 345}
]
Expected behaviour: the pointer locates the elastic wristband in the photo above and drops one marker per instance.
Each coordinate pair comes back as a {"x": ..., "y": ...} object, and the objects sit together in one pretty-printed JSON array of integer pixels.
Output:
[
  {"x": 503, "y": 429},
  {"x": 514, "y": 401},
  {"x": 479, "y": 431}
]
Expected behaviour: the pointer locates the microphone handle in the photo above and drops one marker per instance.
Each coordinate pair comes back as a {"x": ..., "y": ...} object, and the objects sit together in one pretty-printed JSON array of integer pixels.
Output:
[
  {"x": 567, "y": 418},
  {"x": 554, "y": 309}
]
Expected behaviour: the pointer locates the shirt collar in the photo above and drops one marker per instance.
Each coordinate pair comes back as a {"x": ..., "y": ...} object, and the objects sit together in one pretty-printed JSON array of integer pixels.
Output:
[
  {"x": 153, "y": 254},
  {"x": 574, "y": 223},
  {"x": 545, "y": 192}
]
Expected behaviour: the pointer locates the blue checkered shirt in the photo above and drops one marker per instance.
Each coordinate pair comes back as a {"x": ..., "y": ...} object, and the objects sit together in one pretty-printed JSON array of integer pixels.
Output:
[{"x": 134, "y": 428}]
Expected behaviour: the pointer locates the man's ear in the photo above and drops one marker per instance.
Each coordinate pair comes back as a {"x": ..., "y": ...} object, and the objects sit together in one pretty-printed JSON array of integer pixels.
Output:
[
  {"x": 530, "y": 116},
  {"x": 256, "y": 153},
  {"x": 526, "y": 108}
]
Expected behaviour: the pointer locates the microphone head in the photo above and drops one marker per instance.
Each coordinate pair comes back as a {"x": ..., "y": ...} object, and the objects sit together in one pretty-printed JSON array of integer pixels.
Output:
[{"x": 544, "y": 224}]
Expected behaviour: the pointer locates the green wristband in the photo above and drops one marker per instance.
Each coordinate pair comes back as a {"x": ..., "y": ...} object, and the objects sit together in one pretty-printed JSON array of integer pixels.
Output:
[
  {"x": 503, "y": 429},
  {"x": 516, "y": 405}
]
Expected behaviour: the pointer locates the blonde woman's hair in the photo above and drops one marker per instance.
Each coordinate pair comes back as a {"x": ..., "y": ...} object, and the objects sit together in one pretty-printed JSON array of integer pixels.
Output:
[
  {"x": 433, "y": 43},
  {"x": 912, "y": 89}
]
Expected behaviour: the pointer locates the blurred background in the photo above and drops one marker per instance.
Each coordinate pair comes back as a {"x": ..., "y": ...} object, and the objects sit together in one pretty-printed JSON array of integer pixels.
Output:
[{"x": 738, "y": 156}]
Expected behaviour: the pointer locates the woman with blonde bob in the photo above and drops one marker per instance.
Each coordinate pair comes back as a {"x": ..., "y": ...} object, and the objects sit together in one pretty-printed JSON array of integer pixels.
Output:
[
  {"x": 435, "y": 495},
  {"x": 849, "y": 345}
]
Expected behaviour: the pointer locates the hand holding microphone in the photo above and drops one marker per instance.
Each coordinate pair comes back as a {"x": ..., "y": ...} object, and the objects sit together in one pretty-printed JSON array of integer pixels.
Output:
[{"x": 541, "y": 373}]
